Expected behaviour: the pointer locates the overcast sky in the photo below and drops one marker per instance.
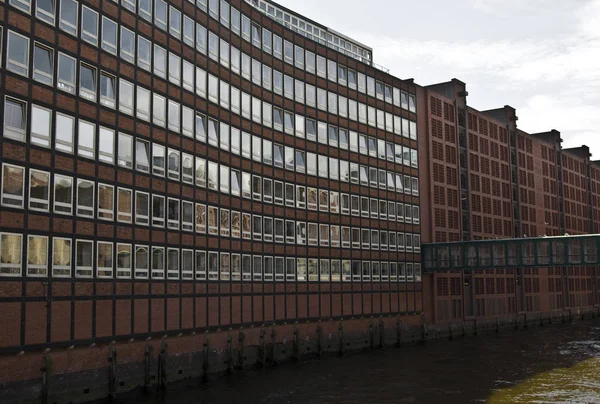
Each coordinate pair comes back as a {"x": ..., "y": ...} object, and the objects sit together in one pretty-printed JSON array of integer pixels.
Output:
[{"x": 541, "y": 57}]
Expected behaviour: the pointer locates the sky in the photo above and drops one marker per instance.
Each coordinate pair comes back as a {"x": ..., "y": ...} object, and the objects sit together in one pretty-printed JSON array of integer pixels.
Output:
[{"x": 541, "y": 57}]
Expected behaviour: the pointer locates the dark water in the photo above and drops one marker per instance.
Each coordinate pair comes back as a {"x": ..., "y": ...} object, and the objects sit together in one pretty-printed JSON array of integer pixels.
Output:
[{"x": 541, "y": 365}]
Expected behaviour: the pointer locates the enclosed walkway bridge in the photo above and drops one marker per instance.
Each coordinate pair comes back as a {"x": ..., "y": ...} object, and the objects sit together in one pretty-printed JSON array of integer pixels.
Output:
[{"x": 556, "y": 251}]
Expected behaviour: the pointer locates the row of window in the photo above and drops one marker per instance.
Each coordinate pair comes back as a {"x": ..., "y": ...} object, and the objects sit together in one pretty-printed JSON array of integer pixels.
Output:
[
  {"x": 305, "y": 60},
  {"x": 174, "y": 214},
  {"x": 261, "y": 189},
  {"x": 179, "y": 25},
  {"x": 313, "y": 32},
  {"x": 100, "y": 142},
  {"x": 156, "y": 108},
  {"x": 237, "y": 61},
  {"x": 107, "y": 260}
]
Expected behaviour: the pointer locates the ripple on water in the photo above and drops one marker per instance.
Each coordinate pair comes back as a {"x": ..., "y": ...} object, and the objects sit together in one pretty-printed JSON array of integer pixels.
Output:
[{"x": 576, "y": 384}]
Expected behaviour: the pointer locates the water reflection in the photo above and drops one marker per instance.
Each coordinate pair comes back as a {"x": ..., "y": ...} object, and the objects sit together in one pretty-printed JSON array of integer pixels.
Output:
[
  {"x": 551, "y": 364},
  {"x": 579, "y": 383}
]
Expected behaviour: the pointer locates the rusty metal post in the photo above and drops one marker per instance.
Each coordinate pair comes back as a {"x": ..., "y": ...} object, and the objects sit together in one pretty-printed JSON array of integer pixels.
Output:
[
  {"x": 46, "y": 375},
  {"x": 296, "y": 344},
  {"x": 112, "y": 373},
  {"x": 148, "y": 367}
]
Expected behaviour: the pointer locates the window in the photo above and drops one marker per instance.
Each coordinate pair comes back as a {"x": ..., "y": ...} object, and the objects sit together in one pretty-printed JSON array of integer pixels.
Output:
[
  {"x": 160, "y": 14},
  {"x": 174, "y": 22},
  {"x": 15, "y": 119},
  {"x": 145, "y": 9},
  {"x": 87, "y": 82},
  {"x": 85, "y": 198},
  {"x": 200, "y": 172},
  {"x": 174, "y": 116},
  {"x": 125, "y": 149},
  {"x": 143, "y": 103},
  {"x": 123, "y": 260},
  {"x": 106, "y": 202},
  {"x": 158, "y": 263},
  {"x": 158, "y": 160},
  {"x": 188, "y": 76},
  {"x": 172, "y": 263},
  {"x": 141, "y": 262},
  {"x": 104, "y": 263},
  {"x": 61, "y": 257},
  {"x": 159, "y": 110},
  {"x": 142, "y": 155},
  {"x": 37, "y": 256},
  {"x": 10, "y": 254},
  {"x": 68, "y": 16},
  {"x": 65, "y": 126},
  {"x": 87, "y": 140},
  {"x": 24, "y": 5},
  {"x": 17, "y": 54},
  {"x": 174, "y": 68},
  {"x": 89, "y": 25},
  {"x": 129, "y": 4},
  {"x": 213, "y": 173},
  {"x": 187, "y": 168},
  {"x": 106, "y": 146},
  {"x": 109, "y": 36},
  {"x": 107, "y": 90},
  {"x": 124, "y": 205},
  {"x": 39, "y": 190},
  {"x": 224, "y": 179},
  {"x": 187, "y": 216},
  {"x": 43, "y": 64},
  {"x": 67, "y": 73},
  {"x": 160, "y": 61},
  {"x": 13, "y": 180},
  {"x": 125, "y": 97},
  {"x": 63, "y": 194},
  {"x": 142, "y": 210},
  {"x": 200, "y": 269},
  {"x": 144, "y": 50},
  {"x": 84, "y": 258},
  {"x": 158, "y": 211},
  {"x": 325, "y": 274},
  {"x": 127, "y": 45},
  {"x": 173, "y": 164}
]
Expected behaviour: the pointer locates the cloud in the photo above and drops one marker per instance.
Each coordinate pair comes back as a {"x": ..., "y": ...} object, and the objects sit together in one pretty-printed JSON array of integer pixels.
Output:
[{"x": 553, "y": 81}]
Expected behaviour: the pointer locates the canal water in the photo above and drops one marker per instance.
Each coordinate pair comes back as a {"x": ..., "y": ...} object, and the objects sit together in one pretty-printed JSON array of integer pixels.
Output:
[{"x": 558, "y": 364}]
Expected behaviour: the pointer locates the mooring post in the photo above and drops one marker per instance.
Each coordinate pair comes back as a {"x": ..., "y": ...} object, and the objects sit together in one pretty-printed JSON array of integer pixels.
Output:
[
  {"x": 497, "y": 325},
  {"x": 319, "y": 338},
  {"x": 229, "y": 354},
  {"x": 273, "y": 346},
  {"x": 296, "y": 345},
  {"x": 241, "y": 342},
  {"x": 261, "y": 348},
  {"x": 162, "y": 366},
  {"x": 148, "y": 368},
  {"x": 205, "y": 361},
  {"x": 450, "y": 331},
  {"x": 541, "y": 319},
  {"x": 46, "y": 375},
  {"x": 381, "y": 333},
  {"x": 475, "y": 326},
  {"x": 371, "y": 336},
  {"x": 112, "y": 373},
  {"x": 398, "y": 332},
  {"x": 463, "y": 328},
  {"x": 341, "y": 337}
]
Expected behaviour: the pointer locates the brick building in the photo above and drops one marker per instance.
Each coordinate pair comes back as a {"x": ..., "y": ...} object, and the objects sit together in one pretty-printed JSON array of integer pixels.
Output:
[
  {"x": 483, "y": 178},
  {"x": 181, "y": 167}
]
